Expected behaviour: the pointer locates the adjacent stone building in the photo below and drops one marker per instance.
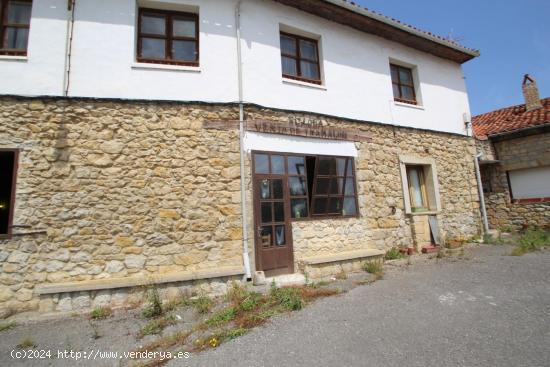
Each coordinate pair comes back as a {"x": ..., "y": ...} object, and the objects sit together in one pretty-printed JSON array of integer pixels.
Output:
[
  {"x": 514, "y": 147},
  {"x": 154, "y": 166}
]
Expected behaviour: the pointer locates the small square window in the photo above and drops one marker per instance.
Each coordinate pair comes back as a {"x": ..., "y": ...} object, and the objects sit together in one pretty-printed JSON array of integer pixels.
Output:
[
  {"x": 168, "y": 37},
  {"x": 15, "y": 22},
  {"x": 300, "y": 58}
]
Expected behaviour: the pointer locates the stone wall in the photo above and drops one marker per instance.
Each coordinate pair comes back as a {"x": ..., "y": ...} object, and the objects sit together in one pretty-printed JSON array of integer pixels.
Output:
[
  {"x": 523, "y": 152},
  {"x": 383, "y": 223},
  {"x": 117, "y": 189},
  {"x": 110, "y": 190}
]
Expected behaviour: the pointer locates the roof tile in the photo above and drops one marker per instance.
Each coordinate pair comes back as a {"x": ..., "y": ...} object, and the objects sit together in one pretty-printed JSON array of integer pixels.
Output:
[{"x": 510, "y": 119}]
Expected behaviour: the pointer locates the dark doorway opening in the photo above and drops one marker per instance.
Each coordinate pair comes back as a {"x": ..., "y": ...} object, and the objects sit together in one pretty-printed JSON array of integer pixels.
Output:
[{"x": 7, "y": 182}]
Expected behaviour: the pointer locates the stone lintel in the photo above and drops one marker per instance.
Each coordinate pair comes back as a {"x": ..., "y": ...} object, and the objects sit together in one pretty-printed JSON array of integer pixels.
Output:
[
  {"x": 342, "y": 256},
  {"x": 112, "y": 283}
]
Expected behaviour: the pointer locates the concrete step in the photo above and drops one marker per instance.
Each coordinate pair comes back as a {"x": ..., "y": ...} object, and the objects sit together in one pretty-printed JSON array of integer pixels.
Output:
[{"x": 287, "y": 280}]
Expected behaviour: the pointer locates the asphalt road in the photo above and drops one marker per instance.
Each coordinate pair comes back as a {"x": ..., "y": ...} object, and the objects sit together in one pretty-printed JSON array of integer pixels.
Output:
[{"x": 488, "y": 310}]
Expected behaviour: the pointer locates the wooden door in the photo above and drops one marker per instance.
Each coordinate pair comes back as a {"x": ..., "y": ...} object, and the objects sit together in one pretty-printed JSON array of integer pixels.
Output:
[{"x": 273, "y": 232}]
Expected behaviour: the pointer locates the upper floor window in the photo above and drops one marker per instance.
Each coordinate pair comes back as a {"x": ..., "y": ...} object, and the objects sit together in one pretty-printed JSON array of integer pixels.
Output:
[
  {"x": 15, "y": 21},
  {"x": 403, "y": 84},
  {"x": 167, "y": 37},
  {"x": 300, "y": 58}
]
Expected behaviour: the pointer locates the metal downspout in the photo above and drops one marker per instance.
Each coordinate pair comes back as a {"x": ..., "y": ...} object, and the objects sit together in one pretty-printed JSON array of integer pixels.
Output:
[
  {"x": 481, "y": 197},
  {"x": 246, "y": 258},
  {"x": 71, "y": 4}
]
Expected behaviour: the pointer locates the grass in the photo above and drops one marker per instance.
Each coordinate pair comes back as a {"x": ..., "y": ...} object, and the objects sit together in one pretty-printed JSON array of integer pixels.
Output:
[
  {"x": 222, "y": 317},
  {"x": 203, "y": 304},
  {"x": 393, "y": 254},
  {"x": 530, "y": 241},
  {"x": 155, "y": 326},
  {"x": 166, "y": 342},
  {"x": 101, "y": 313},
  {"x": 289, "y": 298},
  {"x": 373, "y": 267},
  {"x": 7, "y": 326},
  {"x": 154, "y": 308},
  {"x": 26, "y": 342}
]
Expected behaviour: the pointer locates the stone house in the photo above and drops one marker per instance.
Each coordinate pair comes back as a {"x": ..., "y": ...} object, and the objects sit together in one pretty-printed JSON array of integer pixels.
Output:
[
  {"x": 514, "y": 148},
  {"x": 190, "y": 143}
]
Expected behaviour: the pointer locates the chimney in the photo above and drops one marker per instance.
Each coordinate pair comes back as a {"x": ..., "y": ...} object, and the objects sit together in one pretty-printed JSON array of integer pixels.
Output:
[{"x": 531, "y": 93}]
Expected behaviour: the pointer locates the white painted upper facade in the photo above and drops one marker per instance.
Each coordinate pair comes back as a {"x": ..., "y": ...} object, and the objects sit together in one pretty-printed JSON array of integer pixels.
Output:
[{"x": 355, "y": 65}]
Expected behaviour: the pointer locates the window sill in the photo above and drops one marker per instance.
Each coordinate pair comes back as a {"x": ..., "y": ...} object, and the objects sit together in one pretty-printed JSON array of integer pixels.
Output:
[
  {"x": 150, "y": 66},
  {"x": 304, "y": 84},
  {"x": 531, "y": 200},
  {"x": 428, "y": 212},
  {"x": 415, "y": 106},
  {"x": 14, "y": 58}
]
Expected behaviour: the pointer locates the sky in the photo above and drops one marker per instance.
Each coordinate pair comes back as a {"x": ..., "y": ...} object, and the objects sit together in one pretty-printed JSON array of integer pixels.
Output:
[{"x": 512, "y": 35}]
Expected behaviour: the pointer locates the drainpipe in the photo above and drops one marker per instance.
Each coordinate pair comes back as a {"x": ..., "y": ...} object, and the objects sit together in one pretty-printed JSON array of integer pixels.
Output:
[
  {"x": 71, "y": 4},
  {"x": 246, "y": 258},
  {"x": 481, "y": 197}
]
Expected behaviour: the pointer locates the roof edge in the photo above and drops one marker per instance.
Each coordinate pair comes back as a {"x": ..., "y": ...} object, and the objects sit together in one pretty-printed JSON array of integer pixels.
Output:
[{"x": 406, "y": 28}]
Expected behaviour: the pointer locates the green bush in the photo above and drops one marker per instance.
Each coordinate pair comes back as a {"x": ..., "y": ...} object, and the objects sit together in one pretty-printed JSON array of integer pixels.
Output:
[
  {"x": 530, "y": 241},
  {"x": 154, "y": 309},
  {"x": 203, "y": 304},
  {"x": 101, "y": 313},
  {"x": 373, "y": 267},
  {"x": 394, "y": 254}
]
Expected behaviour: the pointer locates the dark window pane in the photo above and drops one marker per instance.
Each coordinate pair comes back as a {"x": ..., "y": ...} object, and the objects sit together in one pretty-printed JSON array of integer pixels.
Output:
[
  {"x": 408, "y": 93},
  {"x": 310, "y": 70},
  {"x": 299, "y": 208},
  {"x": 394, "y": 74},
  {"x": 279, "y": 212},
  {"x": 278, "y": 164},
  {"x": 320, "y": 205},
  {"x": 350, "y": 189},
  {"x": 289, "y": 66},
  {"x": 265, "y": 189},
  {"x": 152, "y": 48},
  {"x": 340, "y": 166},
  {"x": 308, "y": 50},
  {"x": 184, "y": 51},
  {"x": 288, "y": 45},
  {"x": 261, "y": 163},
  {"x": 280, "y": 235},
  {"x": 277, "y": 189},
  {"x": 327, "y": 166},
  {"x": 153, "y": 24},
  {"x": 19, "y": 12},
  {"x": 405, "y": 76},
  {"x": 184, "y": 28},
  {"x": 266, "y": 213},
  {"x": 17, "y": 38},
  {"x": 296, "y": 166},
  {"x": 396, "y": 92},
  {"x": 335, "y": 206},
  {"x": 322, "y": 186},
  {"x": 298, "y": 186},
  {"x": 337, "y": 186},
  {"x": 350, "y": 207},
  {"x": 266, "y": 236}
]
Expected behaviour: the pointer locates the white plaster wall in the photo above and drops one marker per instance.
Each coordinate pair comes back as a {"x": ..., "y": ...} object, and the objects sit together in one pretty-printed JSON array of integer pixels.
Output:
[
  {"x": 41, "y": 72},
  {"x": 356, "y": 73},
  {"x": 355, "y": 65},
  {"x": 104, "y": 54}
]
